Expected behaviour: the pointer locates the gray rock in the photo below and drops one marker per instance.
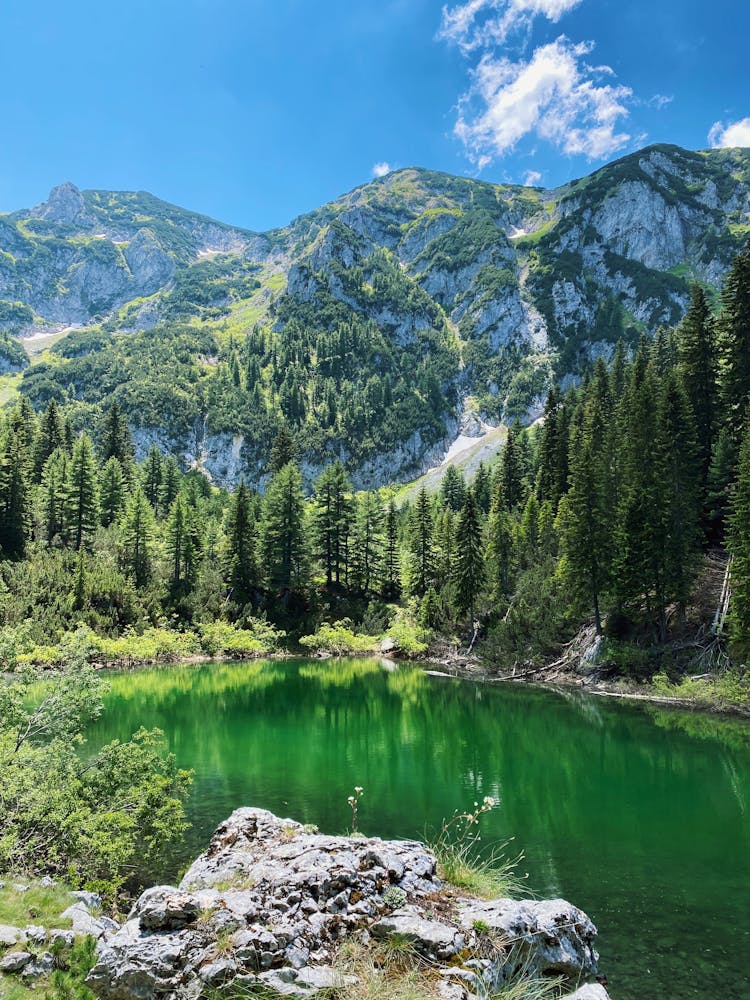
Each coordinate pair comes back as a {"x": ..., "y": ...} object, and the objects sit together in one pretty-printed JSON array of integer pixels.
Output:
[
  {"x": 91, "y": 900},
  {"x": 42, "y": 965},
  {"x": 10, "y": 935},
  {"x": 15, "y": 961},
  {"x": 550, "y": 936},
  {"x": 281, "y": 898},
  {"x": 36, "y": 934},
  {"x": 592, "y": 991},
  {"x": 65, "y": 937},
  {"x": 84, "y": 923}
]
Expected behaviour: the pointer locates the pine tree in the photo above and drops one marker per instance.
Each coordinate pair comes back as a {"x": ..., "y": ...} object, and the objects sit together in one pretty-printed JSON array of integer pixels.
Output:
[
  {"x": 482, "y": 487},
  {"x": 367, "y": 544},
  {"x": 153, "y": 477},
  {"x": 453, "y": 489},
  {"x": 183, "y": 543},
  {"x": 241, "y": 570},
  {"x": 501, "y": 548},
  {"x": 734, "y": 344},
  {"x": 170, "y": 484},
  {"x": 512, "y": 469},
  {"x": 283, "y": 533},
  {"x": 80, "y": 586},
  {"x": 529, "y": 533},
  {"x": 718, "y": 488},
  {"x": 332, "y": 521},
  {"x": 14, "y": 499},
  {"x": 682, "y": 459},
  {"x": 444, "y": 537},
  {"x": 137, "y": 537},
  {"x": 738, "y": 543},
  {"x": 117, "y": 441},
  {"x": 469, "y": 568},
  {"x": 54, "y": 487},
  {"x": 391, "y": 568},
  {"x": 421, "y": 564},
  {"x": 111, "y": 492},
  {"x": 584, "y": 522},
  {"x": 51, "y": 436},
  {"x": 283, "y": 450},
  {"x": 81, "y": 502},
  {"x": 697, "y": 349}
]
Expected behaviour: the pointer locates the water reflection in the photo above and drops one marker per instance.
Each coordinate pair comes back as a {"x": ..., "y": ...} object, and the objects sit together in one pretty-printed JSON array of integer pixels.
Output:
[{"x": 634, "y": 812}]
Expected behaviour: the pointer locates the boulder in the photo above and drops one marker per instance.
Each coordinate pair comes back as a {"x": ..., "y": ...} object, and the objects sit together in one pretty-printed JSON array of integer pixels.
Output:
[
  {"x": 268, "y": 903},
  {"x": 15, "y": 961},
  {"x": 10, "y": 935}
]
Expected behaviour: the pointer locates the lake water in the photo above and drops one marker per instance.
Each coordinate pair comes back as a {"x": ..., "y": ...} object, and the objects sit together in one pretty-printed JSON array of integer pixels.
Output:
[{"x": 637, "y": 814}]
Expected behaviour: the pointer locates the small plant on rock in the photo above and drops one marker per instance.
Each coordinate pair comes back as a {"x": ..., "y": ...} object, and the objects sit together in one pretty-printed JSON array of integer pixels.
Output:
[
  {"x": 394, "y": 897},
  {"x": 353, "y": 801}
]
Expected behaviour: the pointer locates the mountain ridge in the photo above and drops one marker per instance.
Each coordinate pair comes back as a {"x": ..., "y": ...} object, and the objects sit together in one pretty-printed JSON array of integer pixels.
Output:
[{"x": 371, "y": 324}]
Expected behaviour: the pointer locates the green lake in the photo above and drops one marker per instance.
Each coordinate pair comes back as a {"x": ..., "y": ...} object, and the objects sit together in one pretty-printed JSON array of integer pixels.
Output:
[{"x": 637, "y": 814}]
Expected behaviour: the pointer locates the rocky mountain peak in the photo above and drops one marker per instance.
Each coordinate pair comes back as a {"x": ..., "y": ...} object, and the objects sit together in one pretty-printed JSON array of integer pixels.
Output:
[{"x": 65, "y": 204}]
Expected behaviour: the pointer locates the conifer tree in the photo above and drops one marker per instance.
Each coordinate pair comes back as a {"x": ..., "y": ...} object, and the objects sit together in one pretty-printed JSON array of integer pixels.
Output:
[
  {"x": 111, "y": 492},
  {"x": 718, "y": 488},
  {"x": 421, "y": 561},
  {"x": 391, "y": 569},
  {"x": 14, "y": 497},
  {"x": 367, "y": 544},
  {"x": 137, "y": 537},
  {"x": 152, "y": 477},
  {"x": 529, "y": 533},
  {"x": 170, "y": 484},
  {"x": 585, "y": 527},
  {"x": 444, "y": 536},
  {"x": 512, "y": 469},
  {"x": 482, "y": 487},
  {"x": 738, "y": 543},
  {"x": 453, "y": 489},
  {"x": 51, "y": 436},
  {"x": 283, "y": 534},
  {"x": 81, "y": 501},
  {"x": 697, "y": 350},
  {"x": 117, "y": 441},
  {"x": 54, "y": 487},
  {"x": 80, "y": 585},
  {"x": 734, "y": 344},
  {"x": 241, "y": 569},
  {"x": 283, "y": 450},
  {"x": 469, "y": 566},
  {"x": 501, "y": 548},
  {"x": 332, "y": 521}
]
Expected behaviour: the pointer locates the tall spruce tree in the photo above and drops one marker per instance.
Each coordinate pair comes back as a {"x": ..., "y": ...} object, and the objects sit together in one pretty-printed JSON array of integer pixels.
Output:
[
  {"x": 81, "y": 500},
  {"x": 283, "y": 531},
  {"x": 153, "y": 475},
  {"x": 734, "y": 344},
  {"x": 332, "y": 521},
  {"x": 137, "y": 537},
  {"x": 54, "y": 487},
  {"x": 501, "y": 548},
  {"x": 391, "y": 568},
  {"x": 117, "y": 441},
  {"x": 367, "y": 544},
  {"x": 14, "y": 495},
  {"x": 241, "y": 570},
  {"x": 469, "y": 567},
  {"x": 698, "y": 366},
  {"x": 421, "y": 549},
  {"x": 112, "y": 490},
  {"x": 512, "y": 468},
  {"x": 738, "y": 543},
  {"x": 283, "y": 450},
  {"x": 51, "y": 436}
]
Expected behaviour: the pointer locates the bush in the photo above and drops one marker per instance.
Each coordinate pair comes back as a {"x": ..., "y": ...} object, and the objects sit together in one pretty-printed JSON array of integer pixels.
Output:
[{"x": 340, "y": 640}]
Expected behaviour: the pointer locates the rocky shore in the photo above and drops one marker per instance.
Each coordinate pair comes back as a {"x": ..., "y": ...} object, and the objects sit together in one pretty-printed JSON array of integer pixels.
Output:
[{"x": 270, "y": 903}]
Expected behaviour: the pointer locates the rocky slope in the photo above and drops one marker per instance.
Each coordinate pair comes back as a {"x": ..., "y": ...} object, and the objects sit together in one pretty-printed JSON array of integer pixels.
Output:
[
  {"x": 450, "y": 292},
  {"x": 270, "y": 903}
]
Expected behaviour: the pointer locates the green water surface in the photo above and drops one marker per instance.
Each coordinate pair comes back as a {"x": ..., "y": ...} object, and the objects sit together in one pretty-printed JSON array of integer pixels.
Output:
[{"x": 635, "y": 813}]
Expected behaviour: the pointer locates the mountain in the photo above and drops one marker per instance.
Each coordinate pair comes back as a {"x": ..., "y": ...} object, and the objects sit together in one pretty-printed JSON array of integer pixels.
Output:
[{"x": 374, "y": 325}]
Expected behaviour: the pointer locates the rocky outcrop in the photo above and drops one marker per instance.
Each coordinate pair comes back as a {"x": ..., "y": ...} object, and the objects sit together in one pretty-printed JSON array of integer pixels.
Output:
[{"x": 270, "y": 901}]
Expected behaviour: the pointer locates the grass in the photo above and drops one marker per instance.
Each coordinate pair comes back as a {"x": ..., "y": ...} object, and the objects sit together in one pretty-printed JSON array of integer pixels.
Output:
[
  {"x": 721, "y": 691},
  {"x": 39, "y": 905},
  {"x": 486, "y": 877}
]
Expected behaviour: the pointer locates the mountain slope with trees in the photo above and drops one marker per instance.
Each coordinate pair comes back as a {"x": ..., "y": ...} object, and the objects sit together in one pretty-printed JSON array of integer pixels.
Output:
[{"x": 368, "y": 326}]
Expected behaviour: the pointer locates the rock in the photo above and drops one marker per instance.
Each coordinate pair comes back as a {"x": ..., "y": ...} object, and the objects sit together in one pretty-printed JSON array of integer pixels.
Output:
[
  {"x": 592, "y": 991},
  {"x": 42, "y": 965},
  {"x": 15, "y": 961},
  {"x": 551, "y": 936},
  {"x": 431, "y": 938},
  {"x": 10, "y": 935},
  {"x": 65, "y": 204},
  {"x": 47, "y": 882},
  {"x": 91, "y": 900},
  {"x": 280, "y": 898},
  {"x": 65, "y": 937},
  {"x": 163, "y": 908},
  {"x": 84, "y": 923},
  {"x": 36, "y": 934}
]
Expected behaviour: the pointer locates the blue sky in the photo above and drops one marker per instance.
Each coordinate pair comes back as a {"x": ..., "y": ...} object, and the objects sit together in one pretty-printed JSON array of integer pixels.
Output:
[{"x": 254, "y": 111}]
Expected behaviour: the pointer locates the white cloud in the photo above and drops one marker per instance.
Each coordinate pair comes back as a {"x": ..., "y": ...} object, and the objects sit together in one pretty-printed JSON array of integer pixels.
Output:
[
  {"x": 734, "y": 134},
  {"x": 381, "y": 169},
  {"x": 531, "y": 178},
  {"x": 555, "y": 95},
  {"x": 482, "y": 23}
]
